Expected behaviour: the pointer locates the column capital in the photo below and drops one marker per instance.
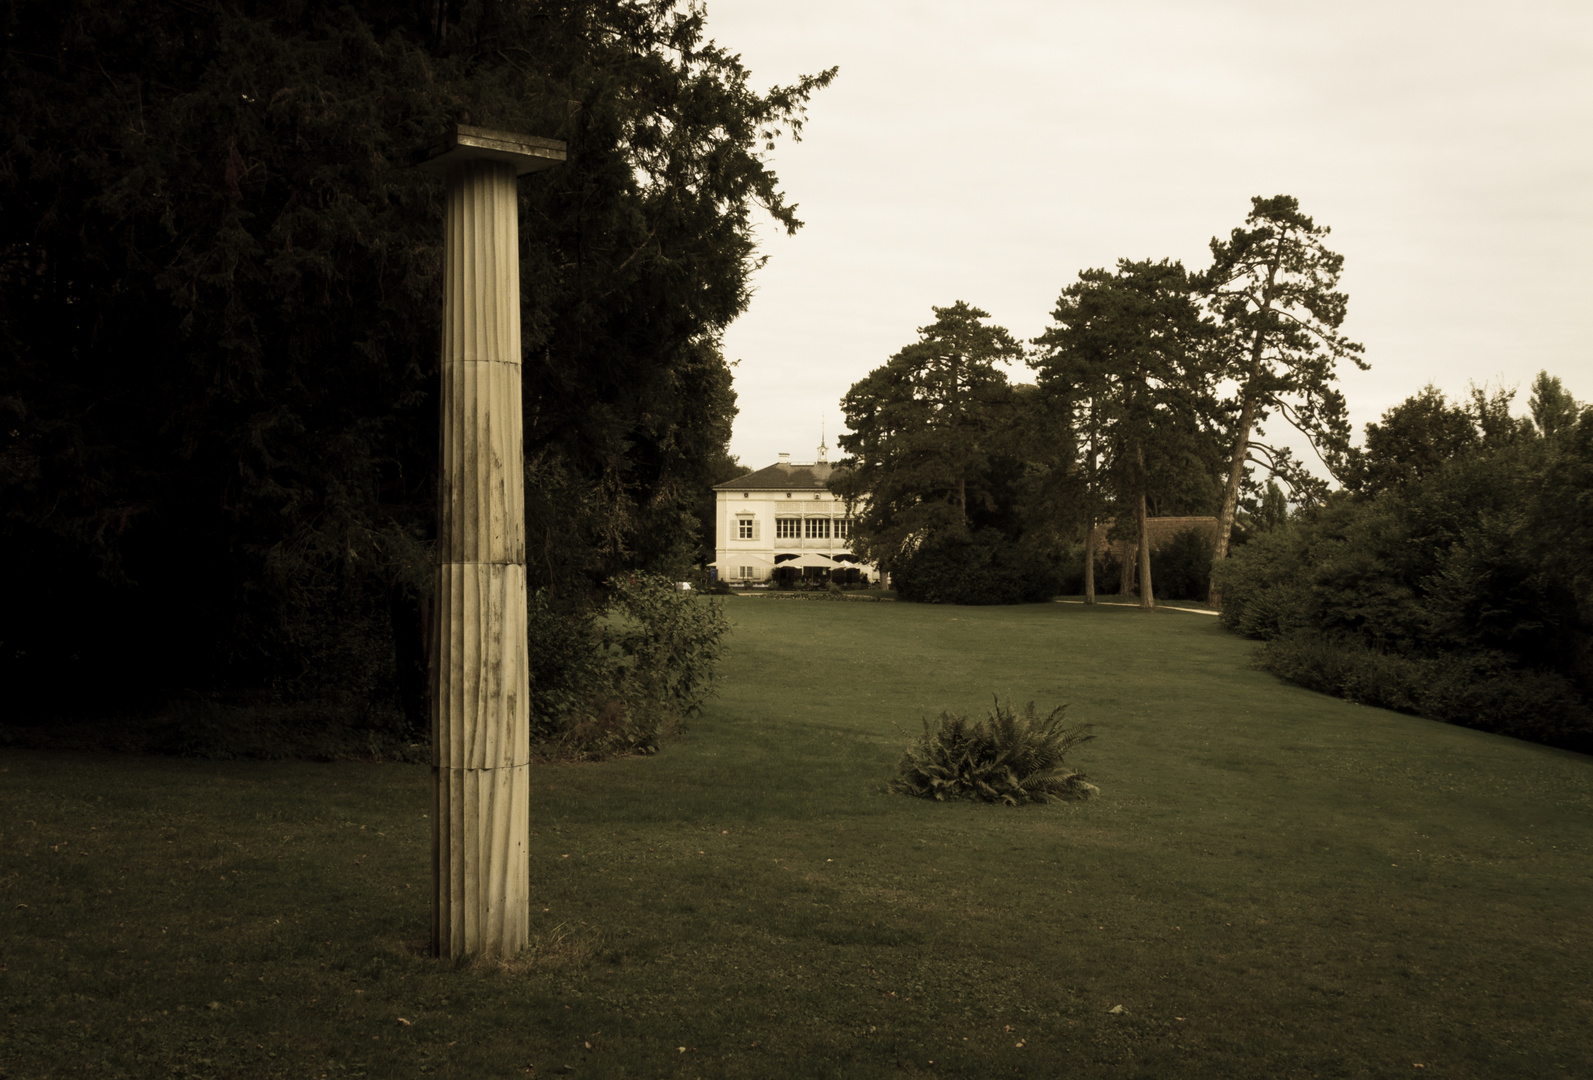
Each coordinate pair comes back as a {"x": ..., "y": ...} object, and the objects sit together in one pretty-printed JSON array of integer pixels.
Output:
[{"x": 527, "y": 153}]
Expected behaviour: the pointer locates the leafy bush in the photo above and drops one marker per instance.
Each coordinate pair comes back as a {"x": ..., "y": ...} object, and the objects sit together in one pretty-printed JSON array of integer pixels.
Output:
[
  {"x": 619, "y": 680},
  {"x": 1446, "y": 597},
  {"x": 818, "y": 594},
  {"x": 1070, "y": 569},
  {"x": 1263, "y": 585},
  {"x": 604, "y": 726},
  {"x": 668, "y": 642},
  {"x": 1003, "y": 758},
  {"x": 984, "y": 568},
  {"x": 232, "y": 728},
  {"x": 568, "y": 659}
]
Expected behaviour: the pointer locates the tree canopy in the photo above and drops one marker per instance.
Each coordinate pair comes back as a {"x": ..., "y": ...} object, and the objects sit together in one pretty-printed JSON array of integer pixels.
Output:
[
  {"x": 925, "y": 429},
  {"x": 1412, "y": 441},
  {"x": 221, "y": 302},
  {"x": 1273, "y": 286},
  {"x": 1129, "y": 363},
  {"x": 1456, "y": 583}
]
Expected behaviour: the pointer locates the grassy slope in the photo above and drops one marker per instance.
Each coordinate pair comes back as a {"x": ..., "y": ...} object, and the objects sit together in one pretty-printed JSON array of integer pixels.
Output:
[{"x": 1273, "y": 884}]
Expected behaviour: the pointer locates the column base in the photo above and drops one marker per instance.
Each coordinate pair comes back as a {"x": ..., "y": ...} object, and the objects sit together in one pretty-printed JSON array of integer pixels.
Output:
[{"x": 481, "y": 871}]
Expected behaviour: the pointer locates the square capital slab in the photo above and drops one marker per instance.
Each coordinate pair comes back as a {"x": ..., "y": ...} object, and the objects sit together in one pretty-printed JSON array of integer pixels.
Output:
[{"x": 527, "y": 153}]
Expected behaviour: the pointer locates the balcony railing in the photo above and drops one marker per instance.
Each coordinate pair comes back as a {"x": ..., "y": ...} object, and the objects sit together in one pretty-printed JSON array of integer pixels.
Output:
[{"x": 792, "y": 543}]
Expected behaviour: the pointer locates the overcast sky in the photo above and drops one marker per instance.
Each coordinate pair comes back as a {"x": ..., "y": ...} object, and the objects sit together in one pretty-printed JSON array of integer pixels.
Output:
[{"x": 989, "y": 151}]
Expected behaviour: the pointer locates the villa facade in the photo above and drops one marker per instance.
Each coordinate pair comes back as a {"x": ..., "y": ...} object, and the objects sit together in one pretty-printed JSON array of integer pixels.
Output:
[{"x": 781, "y": 523}]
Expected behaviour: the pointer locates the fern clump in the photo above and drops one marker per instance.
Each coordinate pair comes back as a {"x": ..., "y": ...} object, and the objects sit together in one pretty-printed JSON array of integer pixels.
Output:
[{"x": 1006, "y": 757}]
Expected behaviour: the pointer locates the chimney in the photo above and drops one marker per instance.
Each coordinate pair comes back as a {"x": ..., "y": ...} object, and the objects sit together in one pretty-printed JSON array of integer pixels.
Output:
[{"x": 785, "y": 459}]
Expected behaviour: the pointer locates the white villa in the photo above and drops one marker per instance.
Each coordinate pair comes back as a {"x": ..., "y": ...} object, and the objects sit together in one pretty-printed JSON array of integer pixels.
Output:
[{"x": 781, "y": 522}]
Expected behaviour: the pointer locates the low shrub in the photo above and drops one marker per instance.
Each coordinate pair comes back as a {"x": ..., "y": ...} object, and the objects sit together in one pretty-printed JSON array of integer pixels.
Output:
[
  {"x": 1481, "y": 690},
  {"x": 1342, "y": 668},
  {"x": 985, "y": 568},
  {"x": 607, "y": 726},
  {"x": 822, "y": 594},
  {"x": 1070, "y": 571},
  {"x": 1004, "y": 758},
  {"x": 235, "y": 727},
  {"x": 619, "y": 680},
  {"x": 605, "y": 681},
  {"x": 668, "y": 643}
]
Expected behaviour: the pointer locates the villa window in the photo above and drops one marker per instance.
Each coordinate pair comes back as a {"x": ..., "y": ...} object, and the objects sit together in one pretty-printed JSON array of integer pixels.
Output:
[
  {"x": 787, "y": 528},
  {"x": 843, "y": 528},
  {"x": 746, "y": 528},
  {"x": 818, "y": 528}
]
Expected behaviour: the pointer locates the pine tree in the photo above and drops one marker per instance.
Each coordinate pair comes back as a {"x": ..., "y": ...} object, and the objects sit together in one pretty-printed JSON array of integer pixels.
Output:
[
  {"x": 1273, "y": 287},
  {"x": 923, "y": 430},
  {"x": 1130, "y": 356}
]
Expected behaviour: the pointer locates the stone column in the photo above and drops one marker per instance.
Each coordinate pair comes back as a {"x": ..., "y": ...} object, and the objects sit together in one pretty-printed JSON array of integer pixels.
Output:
[{"x": 480, "y": 728}]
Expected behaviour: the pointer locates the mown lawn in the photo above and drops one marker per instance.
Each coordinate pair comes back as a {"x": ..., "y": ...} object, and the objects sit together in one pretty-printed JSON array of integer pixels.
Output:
[{"x": 1273, "y": 884}]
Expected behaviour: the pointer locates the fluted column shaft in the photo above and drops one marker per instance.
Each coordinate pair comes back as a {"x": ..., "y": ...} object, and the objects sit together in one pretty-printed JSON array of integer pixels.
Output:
[{"x": 480, "y": 685}]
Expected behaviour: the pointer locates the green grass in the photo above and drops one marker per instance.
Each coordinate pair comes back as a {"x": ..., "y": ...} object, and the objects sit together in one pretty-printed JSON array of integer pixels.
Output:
[{"x": 1272, "y": 884}]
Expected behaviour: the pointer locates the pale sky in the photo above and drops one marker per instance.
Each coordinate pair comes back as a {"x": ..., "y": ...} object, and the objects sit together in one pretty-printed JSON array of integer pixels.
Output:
[{"x": 988, "y": 151}]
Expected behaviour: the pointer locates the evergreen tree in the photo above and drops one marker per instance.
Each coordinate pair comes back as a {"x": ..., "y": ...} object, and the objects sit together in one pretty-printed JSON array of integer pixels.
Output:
[
  {"x": 1129, "y": 360},
  {"x": 1273, "y": 287},
  {"x": 1554, "y": 411},
  {"x": 1273, "y": 512},
  {"x": 925, "y": 430},
  {"x": 221, "y": 287}
]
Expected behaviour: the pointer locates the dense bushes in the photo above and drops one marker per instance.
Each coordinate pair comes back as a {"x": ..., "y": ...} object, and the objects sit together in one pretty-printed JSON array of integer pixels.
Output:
[
  {"x": 1475, "y": 689},
  {"x": 1180, "y": 568},
  {"x": 983, "y": 568},
  {"x": 607, "y": 680},
  {"x": 618, "y": 680},
  {"x": 1464, "y": 595},
  {"x": 1003, "y": 758}
]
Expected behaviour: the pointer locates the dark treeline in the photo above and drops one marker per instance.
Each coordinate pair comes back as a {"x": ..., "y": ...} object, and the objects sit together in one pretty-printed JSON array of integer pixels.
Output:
[
  {"x": 1453, "y": 578},
  {"x": 1154, "y": 389},
  {"x": 219, "y": 315},
  {"x": 1445, "y": 568}
]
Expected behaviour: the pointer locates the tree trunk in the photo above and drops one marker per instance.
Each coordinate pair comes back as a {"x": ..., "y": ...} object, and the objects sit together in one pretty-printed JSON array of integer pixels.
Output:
[
  {"x": 1089, "y": 518},
  {"x": 1147, "y": 596},
  {"x": 1230, "y": 492},
  {"x": 1247, "y": 419},
  {"x": 1089, "y": 560}
]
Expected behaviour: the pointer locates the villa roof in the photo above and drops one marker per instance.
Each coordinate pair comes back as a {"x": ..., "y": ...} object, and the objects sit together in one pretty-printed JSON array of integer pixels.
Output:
[{"x": 784, "y": 476}]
